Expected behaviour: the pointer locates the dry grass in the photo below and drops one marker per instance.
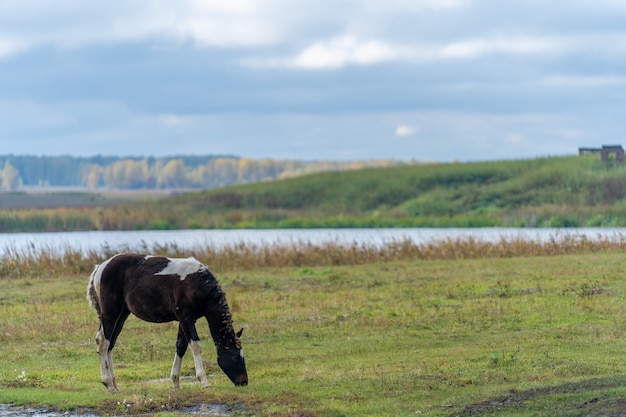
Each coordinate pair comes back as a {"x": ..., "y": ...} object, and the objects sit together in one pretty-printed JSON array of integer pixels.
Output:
[
  {"x": 436, "y": 329},
  {"x": 242, "y": 256},
  {"x": 437, "y": 338}
]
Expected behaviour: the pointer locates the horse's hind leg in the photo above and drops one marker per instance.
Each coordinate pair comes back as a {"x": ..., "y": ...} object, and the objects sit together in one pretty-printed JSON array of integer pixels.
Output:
[
  {"x": 181, "y": 348},
  {"x": 106, "y": 361},
  {"x": 106, "y": 339}
]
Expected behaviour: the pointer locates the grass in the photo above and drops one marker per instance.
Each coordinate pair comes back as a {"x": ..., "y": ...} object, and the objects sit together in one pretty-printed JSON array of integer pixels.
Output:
[
  {"x": 439, "y": 336},
  {"x": 544, "y": 192}
]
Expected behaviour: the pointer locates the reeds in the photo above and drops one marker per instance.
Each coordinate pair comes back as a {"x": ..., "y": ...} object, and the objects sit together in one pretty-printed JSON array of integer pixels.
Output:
[{"x": 41, "y": 262}]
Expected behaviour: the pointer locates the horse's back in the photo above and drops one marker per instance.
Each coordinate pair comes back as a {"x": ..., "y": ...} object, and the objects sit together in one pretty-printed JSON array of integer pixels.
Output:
[{"x": 150, "y": 287}]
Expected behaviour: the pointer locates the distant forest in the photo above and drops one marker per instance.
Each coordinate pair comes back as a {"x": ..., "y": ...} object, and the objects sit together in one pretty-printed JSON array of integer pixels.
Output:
[{"x": 199, "y": 172}]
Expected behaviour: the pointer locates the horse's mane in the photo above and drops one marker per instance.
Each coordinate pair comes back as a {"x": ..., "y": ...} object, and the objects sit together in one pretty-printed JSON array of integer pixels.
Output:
[{"x": 221, "y": 321}]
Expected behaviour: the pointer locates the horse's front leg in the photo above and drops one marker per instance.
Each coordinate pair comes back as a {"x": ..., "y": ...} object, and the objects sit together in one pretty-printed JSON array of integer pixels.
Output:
[
  {"x": 188, "y": 327},
  {"x": 197, "y": 361},
  {"x": 181, "y": 348}
]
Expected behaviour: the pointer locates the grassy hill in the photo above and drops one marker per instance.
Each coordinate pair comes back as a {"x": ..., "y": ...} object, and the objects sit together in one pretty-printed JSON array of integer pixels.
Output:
[
  {"x": 565, "y": 191},
  {"x": 555, "y": 192}
]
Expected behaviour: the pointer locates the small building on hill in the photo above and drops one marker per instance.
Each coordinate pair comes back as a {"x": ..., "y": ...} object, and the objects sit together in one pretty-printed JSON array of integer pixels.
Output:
[{"x": 606, "y": 151}]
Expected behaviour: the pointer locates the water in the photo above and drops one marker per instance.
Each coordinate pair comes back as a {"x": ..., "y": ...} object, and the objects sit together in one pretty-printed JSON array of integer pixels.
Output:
[
  {"x": 11, "y": 411},
  {"x": 189, "y": 239},
  {"x": 7, "y": 410}
]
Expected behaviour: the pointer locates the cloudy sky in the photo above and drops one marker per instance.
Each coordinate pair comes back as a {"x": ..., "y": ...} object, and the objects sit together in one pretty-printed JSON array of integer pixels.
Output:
[{"x": 434, "y": 80}]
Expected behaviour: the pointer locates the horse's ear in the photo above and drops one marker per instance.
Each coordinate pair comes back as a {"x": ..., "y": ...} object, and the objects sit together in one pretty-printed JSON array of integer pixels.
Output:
[{"x": 239, "y": 332}]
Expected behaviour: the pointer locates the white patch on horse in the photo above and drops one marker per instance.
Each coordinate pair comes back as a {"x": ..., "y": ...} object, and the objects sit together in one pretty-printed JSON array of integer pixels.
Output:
[
  {"x": 182, "y": 267},
  {"x": 96, "y": 275}
]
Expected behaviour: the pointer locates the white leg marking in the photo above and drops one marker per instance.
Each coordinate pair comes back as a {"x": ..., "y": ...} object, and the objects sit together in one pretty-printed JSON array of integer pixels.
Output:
[
  {"x": 110, "y": 361},
  {"x": 175, "y": 375},
  {"x": 197, "y": 361},
  {"x": 106, "y": 362}
]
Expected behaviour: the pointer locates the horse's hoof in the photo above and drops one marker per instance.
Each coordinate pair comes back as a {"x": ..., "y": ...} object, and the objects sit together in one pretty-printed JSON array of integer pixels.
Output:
[{"x": 111, "y": 388}]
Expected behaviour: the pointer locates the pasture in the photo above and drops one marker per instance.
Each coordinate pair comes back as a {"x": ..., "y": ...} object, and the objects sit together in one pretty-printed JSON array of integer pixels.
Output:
[{"x": 515, "y": 335}]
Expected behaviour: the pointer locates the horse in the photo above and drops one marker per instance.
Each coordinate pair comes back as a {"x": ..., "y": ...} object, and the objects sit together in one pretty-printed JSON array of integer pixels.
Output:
[{"x": 158, "y": 289}]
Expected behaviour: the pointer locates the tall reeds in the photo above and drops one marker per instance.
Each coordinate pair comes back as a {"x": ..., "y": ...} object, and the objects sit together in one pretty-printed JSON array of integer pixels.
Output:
[{"x": 246, "y": 257}]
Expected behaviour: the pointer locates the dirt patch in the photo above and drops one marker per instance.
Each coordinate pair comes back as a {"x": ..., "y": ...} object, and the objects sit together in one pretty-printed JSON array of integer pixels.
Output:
[{"x": 601, "y": 400}]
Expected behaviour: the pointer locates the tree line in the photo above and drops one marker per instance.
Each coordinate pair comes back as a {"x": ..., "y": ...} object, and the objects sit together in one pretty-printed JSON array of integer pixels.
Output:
[{"x": 200, "y": 172}]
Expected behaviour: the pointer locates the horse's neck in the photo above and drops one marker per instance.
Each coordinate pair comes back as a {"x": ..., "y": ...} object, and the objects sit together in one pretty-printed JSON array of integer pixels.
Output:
[{"x": 221, "y": 323}]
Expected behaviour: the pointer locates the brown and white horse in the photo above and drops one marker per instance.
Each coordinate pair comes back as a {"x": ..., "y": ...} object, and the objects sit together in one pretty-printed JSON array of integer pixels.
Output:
[{"x": 159, "y": 289}]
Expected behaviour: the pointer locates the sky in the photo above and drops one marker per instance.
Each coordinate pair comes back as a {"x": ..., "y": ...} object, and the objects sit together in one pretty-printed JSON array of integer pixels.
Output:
[{"x": 438, "y": 80}]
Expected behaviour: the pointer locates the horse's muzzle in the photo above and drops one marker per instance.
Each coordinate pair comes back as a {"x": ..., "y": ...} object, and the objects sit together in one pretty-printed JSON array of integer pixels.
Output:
[{"x": 241, "y": 380}]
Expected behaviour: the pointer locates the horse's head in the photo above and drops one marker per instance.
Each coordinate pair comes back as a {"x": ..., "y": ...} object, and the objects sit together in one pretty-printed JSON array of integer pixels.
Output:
[{"x": 230, "y": 359}]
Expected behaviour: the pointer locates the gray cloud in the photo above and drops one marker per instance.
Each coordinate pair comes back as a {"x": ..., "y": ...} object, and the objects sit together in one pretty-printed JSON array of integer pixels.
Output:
[{"x": 432, "y": 80}]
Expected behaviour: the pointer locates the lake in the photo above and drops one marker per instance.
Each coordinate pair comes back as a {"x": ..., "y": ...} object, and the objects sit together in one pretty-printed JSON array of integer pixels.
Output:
[{"x": 188, "y": 239}]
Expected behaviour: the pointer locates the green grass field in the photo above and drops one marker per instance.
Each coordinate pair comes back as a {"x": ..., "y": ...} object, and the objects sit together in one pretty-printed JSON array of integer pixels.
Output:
[{"x": 515, "y": 336}]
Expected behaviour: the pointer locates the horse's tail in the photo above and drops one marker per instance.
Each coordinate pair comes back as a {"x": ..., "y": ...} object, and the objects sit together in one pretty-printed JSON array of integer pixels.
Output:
[{"x": 93, "y": 292}]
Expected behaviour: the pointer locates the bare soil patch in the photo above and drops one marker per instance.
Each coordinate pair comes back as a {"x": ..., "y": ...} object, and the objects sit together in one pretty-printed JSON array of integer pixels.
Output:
[{"x": 592, "y": 397}]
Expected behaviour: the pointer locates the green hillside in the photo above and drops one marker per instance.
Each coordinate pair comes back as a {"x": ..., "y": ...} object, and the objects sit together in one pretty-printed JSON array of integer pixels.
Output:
[
  {"x": 544, "y": 192},
  {"x": 564, "y": 191}
]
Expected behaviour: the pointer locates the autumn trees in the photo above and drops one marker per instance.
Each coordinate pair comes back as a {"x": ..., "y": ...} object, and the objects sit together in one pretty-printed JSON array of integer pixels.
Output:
[
  {"x": 9, "y": 177},
  {"x": 160, "y": 173}
]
